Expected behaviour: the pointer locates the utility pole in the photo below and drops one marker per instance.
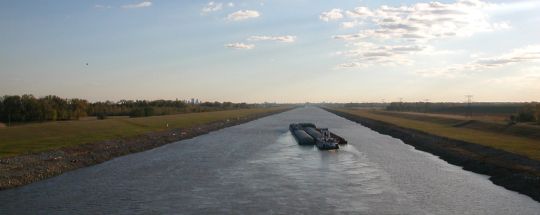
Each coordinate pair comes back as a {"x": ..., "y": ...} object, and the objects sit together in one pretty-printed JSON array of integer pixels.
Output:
[
  {"x": 469, "y": 101},
  {"x": 400, "y": 104}
]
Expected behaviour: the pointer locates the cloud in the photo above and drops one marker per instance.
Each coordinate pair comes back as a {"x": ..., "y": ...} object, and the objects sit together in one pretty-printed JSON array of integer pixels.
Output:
[
  {"x": 212, "y": 7},
  {"x": 425, "y": 21},
  {"x": 100, "y": 6},
  {"x": 365, "y": 54},
  {"x": 243, "y": 14},
  {"x": 349, "y": 37},
  {"x": 330, "y": 15},
  {"x": 347, "y": 25},
  {"x": 285, "y": 39},
  {"x": 230, "y": 4},
  {"x": 523, "y": 79},
  {"x": 359, "y": 12},
  {"x": 350, "y": 65},
  {"x": 138, "y": 5},
  {"x": 240, "y": 46},
  {"x": 527, "y": 54},
  {"x": 414, "y": 25}
]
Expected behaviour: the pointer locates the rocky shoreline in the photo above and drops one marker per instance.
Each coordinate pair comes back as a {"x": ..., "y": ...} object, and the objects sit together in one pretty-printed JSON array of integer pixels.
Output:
[
  {"x": 511, "y": 171},
  {"x": 25, "y": 169}
]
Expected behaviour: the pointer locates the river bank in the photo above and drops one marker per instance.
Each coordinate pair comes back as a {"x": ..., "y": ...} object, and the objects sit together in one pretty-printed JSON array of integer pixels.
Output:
[
  {"x": 509, "y": 170},
  {"x": 28, "y": 168}
]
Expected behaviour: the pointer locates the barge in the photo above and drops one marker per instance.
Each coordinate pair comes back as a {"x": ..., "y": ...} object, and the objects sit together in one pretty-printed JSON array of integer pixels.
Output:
[{"x": 309, "y": 134}]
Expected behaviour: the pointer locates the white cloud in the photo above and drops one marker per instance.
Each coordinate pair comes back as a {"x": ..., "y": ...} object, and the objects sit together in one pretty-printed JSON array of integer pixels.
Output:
[
  {"x": 230, "y": 4},
  {"x": 526, "y": 54},
  {"x": 415, "y": 25},
  {"x": 212, "y": 7},
  {"x": 243, "y": 14},
  {"x": 138, "y": 5},
  {"x": 100, "y": 6},
  {"x": 359, "y": 12},
  {"x": 330, "y": 15},
  {"x": 285, "y": 39},
  {"x": 425, "y": 21},
  {"x": 349, "y": 37},
  {"x": 350, "y": 65},
  {"x": 523, "y": 79},
  {"x": 240, "y": 46},
  {"x": 365, "y": 54},
  {"x": 347, "y": 25},
  {"x": 521, "y": 55}
]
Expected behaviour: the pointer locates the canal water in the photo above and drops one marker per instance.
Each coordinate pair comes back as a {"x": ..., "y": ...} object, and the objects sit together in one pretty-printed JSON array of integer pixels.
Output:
[{"x": 257, "y": 168}]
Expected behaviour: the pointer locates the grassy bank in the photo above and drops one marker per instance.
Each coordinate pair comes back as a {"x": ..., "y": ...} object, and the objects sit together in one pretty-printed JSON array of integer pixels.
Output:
[
  {"x": 521, "y": 140},
  {"x": 46, "y": 136}
]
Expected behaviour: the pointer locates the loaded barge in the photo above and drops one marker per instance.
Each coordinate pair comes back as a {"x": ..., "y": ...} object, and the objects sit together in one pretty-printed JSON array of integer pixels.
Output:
[{"x": 309, "y": 134}]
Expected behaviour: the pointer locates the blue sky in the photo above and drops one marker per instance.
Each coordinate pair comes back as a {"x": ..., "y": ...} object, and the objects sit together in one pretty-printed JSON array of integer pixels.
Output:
[{"x": 283, "y": 51}]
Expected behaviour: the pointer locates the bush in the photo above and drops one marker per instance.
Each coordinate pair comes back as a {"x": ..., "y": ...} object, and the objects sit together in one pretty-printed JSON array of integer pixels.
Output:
[
  {"x": 137, "y": 112},
  {"x": 101, "y": 116},
  {"x": 526, "y": 114},
  {"x": 537, "y": 113},
  {"x": 148, "y": 111},
  {"x": 141, "y": 112}
]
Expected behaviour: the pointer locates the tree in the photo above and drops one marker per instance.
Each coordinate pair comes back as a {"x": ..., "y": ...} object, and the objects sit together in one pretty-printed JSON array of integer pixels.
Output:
[
  {"x": 31, "y": 109},
  {"x": 27, "y": 108},
  {"x": 537, "y": 113},
  {"x": 78, "y": 108},
  {"x": 60, "y": 105},
  {"x": 48, "y": 112},
  {"x": 526, "y": 114},
  {"x": 1, "y": 108},
  {"x": 12, "y": 108},
  {"x": 137, "y": 112}
]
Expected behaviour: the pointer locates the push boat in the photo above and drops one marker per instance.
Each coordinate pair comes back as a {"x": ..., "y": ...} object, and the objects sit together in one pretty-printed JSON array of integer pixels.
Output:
[{"x": 309, "y": 134}]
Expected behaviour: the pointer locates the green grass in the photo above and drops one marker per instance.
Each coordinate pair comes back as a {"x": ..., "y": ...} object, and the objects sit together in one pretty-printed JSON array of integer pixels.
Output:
[
  {"x": 512, "y": 143},
  {"x": 45, "y": 136}
]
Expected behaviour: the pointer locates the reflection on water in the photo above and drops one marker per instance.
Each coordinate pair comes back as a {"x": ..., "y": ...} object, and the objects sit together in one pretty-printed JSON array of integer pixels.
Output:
[{"x": 258, "y": 168}]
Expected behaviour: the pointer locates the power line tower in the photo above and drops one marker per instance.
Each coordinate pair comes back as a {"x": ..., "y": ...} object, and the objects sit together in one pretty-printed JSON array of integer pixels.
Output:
[{"x": 469, "y": 102}]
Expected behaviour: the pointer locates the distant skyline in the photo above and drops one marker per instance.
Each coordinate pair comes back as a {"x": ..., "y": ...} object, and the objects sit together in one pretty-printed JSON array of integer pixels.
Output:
[{"x": 272, "y": 51}]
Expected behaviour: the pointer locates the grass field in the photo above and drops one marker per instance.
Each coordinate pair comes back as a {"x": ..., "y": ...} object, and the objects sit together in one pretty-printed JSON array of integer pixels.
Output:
[
  {"x": 44, "y": 136},
  {"x": 501, "y": 118},
  {"x": 512, "y": 141}
]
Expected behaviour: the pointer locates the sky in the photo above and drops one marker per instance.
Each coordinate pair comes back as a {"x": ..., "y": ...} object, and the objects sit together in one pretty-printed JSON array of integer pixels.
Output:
[{"x": 273, "y": 50}]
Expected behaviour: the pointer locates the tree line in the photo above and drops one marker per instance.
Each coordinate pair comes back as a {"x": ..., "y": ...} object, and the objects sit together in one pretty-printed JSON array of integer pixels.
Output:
[
  {"x": 28, "y": 108},
  {"x": 529, "y": 113}
]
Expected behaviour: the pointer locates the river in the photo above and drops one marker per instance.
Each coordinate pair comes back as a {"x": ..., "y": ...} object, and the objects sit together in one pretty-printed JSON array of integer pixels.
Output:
[{"x": 257, "y": 168}]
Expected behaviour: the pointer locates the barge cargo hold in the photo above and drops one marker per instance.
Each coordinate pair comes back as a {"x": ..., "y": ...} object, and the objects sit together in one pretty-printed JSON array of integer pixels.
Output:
[
  {"x": 300, "y": 135},
  {"x": 309, "y": 134}
]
